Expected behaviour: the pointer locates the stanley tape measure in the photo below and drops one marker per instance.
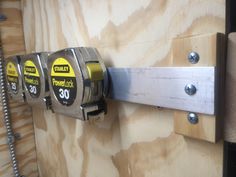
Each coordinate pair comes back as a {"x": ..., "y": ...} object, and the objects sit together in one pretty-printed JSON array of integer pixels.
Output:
[
  {"x": 78, "y": 82},
  {"x": 14, "y": 78},
  {"x": 34, "y": 71}
]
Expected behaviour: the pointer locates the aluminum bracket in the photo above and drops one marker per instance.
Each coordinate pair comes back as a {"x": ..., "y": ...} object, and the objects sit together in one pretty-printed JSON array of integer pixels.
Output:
[{"x": 165, "y": 87}]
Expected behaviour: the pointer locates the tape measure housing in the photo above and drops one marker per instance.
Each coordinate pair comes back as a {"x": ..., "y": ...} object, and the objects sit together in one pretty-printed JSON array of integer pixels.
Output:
[
  {"x": 77, "y": 79},
  {"x": 14, "y": 78},
  {"x": 35, "y": 79}
]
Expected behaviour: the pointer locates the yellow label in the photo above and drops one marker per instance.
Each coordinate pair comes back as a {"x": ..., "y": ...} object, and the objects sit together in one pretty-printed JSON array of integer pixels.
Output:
[
  {"x": 11, "y": 69},
  {"x": 61, "y": 67},
  {"x": 30, "y": 69}
]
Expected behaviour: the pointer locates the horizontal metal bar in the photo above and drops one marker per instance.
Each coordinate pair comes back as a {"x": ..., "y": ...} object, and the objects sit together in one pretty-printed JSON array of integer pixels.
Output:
[{"x": 165, "y": 87}]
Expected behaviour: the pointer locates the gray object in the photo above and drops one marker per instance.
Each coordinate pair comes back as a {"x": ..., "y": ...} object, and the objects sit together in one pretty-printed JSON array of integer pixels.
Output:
[
  {"x": 165, "y": 87},
  {"x": 3, "y": 17},
  {"x": 190, "y": 89},
  {"x": 193, "y": 57},
  {"x": 192, "y": 118}
]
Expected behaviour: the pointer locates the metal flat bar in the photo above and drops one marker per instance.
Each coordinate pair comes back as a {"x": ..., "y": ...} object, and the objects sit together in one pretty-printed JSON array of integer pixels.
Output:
[{"x": 164, "y": 87}]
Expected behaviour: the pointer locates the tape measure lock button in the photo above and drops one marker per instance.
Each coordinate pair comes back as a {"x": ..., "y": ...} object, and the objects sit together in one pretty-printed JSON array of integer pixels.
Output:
[{"x": 95, "y": 71}]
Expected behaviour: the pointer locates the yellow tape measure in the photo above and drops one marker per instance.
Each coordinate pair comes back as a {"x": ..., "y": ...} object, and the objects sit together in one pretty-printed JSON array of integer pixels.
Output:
[
  {"x": 31, "y": 78},
  {"x": 12, "y": 77}
]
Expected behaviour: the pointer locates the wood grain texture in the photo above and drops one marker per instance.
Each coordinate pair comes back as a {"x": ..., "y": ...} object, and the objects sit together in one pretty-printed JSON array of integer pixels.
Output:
[
  {"x": 21, "y": 114},
  {"x": 210, "y": 48},
  {"x": 133, "y": 140},
  {"x": 230, "y": 120}
]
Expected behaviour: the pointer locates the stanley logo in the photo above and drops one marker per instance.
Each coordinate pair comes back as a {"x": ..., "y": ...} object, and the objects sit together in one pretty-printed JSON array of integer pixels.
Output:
[
  {"x": 11, "y": 72},
  {"x": 61, "y": 69},
  {"x": 30, "y": 69}
]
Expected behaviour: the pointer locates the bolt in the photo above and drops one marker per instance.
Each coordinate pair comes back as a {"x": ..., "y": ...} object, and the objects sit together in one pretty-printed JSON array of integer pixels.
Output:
[
  {"x": 190, "y": 89},
  {"x": 193, "y": 57},
  {"x": 192, "y": 118},
  {"x": 2, "y": 17},
  {"x": 17, "y": 136}
]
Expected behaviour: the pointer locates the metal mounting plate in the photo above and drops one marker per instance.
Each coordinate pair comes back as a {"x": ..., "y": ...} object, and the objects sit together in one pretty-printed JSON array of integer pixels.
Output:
[{"x": 165, "y": 87}]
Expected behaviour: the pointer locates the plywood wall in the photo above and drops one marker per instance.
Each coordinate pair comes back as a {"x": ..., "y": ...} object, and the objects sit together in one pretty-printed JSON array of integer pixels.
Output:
[
  {"x": 13, "y": 43},
  {"x": 133, "y": 140}
]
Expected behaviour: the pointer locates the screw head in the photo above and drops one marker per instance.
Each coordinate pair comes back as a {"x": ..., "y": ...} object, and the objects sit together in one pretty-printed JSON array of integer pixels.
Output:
[
  {"x": 190, "y": 89},
  {"x": 2, "y": 17},
  {"x": 193, "y": 57},
  {"x": 192, "y": 118},
  {"x": 17, "y": 136}
]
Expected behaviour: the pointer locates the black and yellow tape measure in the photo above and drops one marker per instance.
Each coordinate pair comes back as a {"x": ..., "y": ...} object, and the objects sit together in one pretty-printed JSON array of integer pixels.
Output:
[
  {"x": 72, "y": 81},
  {"x": 77, "y": 79},
  {"x": 35, "y": 79},
  {"x": 14, "y": 78}
]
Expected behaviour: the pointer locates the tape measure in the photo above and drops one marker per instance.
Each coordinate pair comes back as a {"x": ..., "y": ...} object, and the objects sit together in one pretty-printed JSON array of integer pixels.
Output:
[
  {"x": 78, "y": 82},
  {"x": 35, "y": 79},
  {"x": 14, "y": 78}
]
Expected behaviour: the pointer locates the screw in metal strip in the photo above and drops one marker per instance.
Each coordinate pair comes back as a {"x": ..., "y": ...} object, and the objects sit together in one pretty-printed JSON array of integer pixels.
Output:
[{"x": 190, "y": 89}]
